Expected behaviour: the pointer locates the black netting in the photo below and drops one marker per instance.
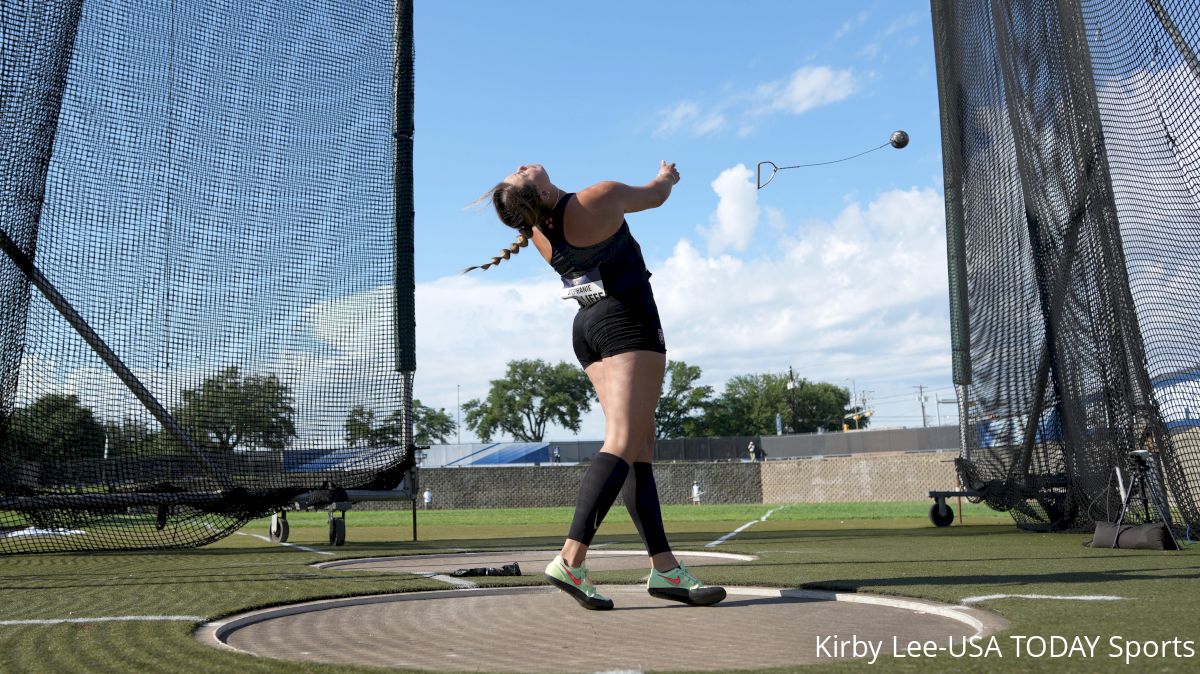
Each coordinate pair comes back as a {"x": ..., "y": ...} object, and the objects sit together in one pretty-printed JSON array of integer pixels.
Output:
[
  {"x": 203, "y": 194},
  {"x": 1071, "y": 150}
]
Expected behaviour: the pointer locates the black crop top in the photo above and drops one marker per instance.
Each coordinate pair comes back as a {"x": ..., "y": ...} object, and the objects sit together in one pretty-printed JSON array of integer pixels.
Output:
[{"x": 619, "y": 258}]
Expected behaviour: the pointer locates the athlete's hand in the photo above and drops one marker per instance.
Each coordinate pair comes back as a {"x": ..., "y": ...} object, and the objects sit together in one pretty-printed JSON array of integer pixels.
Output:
[{"x": 668, "y": 172}]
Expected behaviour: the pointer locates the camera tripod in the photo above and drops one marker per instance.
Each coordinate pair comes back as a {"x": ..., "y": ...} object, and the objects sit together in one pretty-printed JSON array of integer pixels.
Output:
[{"x": 1144, "y": 479}]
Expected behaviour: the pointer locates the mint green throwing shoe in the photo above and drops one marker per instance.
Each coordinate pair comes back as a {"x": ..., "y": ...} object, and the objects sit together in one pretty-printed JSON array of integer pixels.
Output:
[
  {"x": 574, "y": 581},
  {"x": 679, "y": 584}
]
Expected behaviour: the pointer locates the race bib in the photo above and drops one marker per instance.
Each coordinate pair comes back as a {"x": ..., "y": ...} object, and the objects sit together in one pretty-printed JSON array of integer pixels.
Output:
[{"x": 587, "y": 288}]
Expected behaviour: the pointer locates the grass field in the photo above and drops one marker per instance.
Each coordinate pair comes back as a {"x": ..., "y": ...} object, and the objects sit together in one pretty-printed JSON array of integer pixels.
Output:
[{"x": 878, "y": 548}]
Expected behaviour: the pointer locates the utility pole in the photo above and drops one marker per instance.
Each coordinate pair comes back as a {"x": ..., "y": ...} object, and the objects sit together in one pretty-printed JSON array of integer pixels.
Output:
[
  {"x": 792, "y": 398},
  {"x": 921, "y": 397},
  {"x": 458, "y": 414}
]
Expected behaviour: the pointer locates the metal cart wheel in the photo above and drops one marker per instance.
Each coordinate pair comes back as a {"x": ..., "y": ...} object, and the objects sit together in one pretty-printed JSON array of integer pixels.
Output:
[
  {"x": 337, "y": 530},
  {"x": 941, "y": 514},
  {"x": 278, "y": 529}
]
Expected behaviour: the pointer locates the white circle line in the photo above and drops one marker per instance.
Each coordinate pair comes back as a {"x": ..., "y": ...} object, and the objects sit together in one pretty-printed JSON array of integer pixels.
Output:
[
  {"x": 467, "y": 555},
  {"x": 215, "y": 633}
]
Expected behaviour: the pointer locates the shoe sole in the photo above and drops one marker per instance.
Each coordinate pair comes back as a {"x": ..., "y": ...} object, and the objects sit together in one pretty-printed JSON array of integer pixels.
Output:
[
  {"x": 704, "y": 596},
  {"x": 590, "y": 603}
]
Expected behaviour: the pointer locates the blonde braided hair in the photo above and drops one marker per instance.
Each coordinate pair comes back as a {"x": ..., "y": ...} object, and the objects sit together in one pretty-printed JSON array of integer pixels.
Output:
[
  {"x": 519, "y": 208},
  {"x": 522, "y": 240}
]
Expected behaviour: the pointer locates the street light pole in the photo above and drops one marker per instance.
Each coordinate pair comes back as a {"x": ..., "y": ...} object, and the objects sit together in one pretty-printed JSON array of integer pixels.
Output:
[
  {"x": 458, "y": 413},
  {"x": 792, "y": 398}
]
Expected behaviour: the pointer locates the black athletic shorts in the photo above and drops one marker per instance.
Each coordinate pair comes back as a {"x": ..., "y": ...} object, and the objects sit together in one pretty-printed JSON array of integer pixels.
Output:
[{"x": 617, "y": 325}]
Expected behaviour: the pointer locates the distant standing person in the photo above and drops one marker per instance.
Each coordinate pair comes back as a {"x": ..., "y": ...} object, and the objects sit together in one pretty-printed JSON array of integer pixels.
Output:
[
  {"x": 427, "y": 497},
  {"x": 618, "y": 338},
  {"x": 696, "y": 493},
  {"x": 557, "y": 456},
  {"x": 753, "y": 454}
]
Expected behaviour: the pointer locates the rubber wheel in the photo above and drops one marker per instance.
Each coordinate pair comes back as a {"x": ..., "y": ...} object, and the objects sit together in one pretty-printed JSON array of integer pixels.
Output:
[
  {"x": 337, "y": 531},
  {"x": 278, "y": 530},
  {"x": 938, "y": 519}
]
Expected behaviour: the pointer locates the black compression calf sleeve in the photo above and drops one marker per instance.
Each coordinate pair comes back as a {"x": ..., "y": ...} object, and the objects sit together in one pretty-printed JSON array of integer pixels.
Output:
[
  {"x": 601, "y": 483},
  {"x": 641, "y": 499}
]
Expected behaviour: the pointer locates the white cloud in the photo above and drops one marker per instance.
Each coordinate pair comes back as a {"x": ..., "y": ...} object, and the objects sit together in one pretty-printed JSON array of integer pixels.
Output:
[
  {"x": 863, "y": 294},
  {"x": 806, "y": 88},
  {"x": 676, "y": 117},
  {"x": 736, "y": 217},
  {"x": 687, "y": 117},
  {"x": 709, "y": 124},
  {"x": 851, "y": 25}
]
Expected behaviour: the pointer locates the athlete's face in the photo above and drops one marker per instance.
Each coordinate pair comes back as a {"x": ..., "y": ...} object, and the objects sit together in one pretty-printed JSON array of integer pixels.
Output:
[{"x": 534, "y": 174}]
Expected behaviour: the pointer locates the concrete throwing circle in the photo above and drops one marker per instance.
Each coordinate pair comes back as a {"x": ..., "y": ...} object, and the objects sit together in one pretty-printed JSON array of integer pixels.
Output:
[
  {"x": 539, "y": 629},
  {"x": 532, "y": 562}
]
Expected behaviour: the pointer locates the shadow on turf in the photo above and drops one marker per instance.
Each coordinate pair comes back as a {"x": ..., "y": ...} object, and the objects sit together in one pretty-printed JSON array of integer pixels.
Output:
[{"x": 1016, "y": 579}]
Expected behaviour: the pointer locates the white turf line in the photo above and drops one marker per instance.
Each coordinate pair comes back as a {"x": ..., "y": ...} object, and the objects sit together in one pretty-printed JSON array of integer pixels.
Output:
[
  {"x": 742, "y": 528},
  {"x": 105, "y": 619},
  {"x": 1082, "y": 597},
  {"x": 288, "y": 545}
]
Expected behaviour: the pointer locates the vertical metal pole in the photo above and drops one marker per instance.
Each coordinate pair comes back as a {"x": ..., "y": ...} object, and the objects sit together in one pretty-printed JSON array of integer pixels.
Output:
[
  {"x": 404, "y": 281},
  {"x": 404, "y": 285},
  {"x": 945, "y": 28}
]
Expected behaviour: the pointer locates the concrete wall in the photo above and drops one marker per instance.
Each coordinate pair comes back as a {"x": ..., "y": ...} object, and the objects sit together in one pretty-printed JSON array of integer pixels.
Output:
[{"x": 879, "y": 477}]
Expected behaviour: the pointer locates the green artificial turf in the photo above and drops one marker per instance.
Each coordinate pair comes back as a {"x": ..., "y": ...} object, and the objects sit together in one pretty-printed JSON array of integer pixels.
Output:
[{"x": 831, "y": 546}]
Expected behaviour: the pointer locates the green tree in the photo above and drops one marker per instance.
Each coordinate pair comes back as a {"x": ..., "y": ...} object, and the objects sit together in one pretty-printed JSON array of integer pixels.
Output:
[
  {"x": 749, "y": 403},
  {"x": 818, "y": 405},
  {"x": 56, "y": 427},
  {"x": 530, "y": 396},
  {"x": 360, "y": 427},
  {"x": 747, "y": 406},
  {"x": 132, "y": 438},
  {"x": 431, "y": 425},
  {"x": 428, "y": 425},
  {"x": 228, "y": 410},
  {"x": 681, "y": 401}
]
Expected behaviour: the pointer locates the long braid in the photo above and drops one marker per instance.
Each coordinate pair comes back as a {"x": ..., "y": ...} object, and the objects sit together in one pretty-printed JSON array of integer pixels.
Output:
[
  {"x": 522, "y": 240},
  {"x": 519, "y": 209}
]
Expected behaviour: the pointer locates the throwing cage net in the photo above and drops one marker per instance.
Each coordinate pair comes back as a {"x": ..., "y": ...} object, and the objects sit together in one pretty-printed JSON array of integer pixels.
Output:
[
  {"x": 206, "y": 279},
  {"x": 1071, "y": 141}
]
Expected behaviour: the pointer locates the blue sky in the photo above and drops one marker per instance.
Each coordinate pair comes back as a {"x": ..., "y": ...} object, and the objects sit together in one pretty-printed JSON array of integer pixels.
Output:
[{"x": 837, "y": 271}]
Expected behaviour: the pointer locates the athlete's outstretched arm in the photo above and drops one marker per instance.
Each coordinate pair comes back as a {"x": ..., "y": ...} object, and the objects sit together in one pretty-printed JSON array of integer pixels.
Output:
[{"x": 616, "y": 199}]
